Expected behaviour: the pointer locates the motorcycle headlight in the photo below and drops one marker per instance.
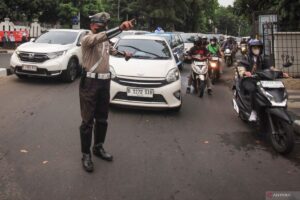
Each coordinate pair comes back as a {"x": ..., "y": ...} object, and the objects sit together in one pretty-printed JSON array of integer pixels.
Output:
[
  {"x": 55, "y": 54},
  {"x": 227, "y": 51},
  {"x": 112, "y": 72},
  {"x": 173, "y": 75},
  {"x": 213, "y": 64}
]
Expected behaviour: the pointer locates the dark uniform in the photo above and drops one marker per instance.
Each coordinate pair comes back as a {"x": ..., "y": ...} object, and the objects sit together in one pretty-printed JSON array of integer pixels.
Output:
[{"x": 94, "y": 90}]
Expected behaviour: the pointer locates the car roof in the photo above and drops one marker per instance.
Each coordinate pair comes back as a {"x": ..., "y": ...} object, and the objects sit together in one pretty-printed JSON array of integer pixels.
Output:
[
  {"x": 69, "y": 30},
  {"x": 145, "y": 37}
]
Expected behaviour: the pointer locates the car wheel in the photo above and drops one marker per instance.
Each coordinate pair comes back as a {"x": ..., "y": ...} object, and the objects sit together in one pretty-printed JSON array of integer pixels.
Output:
[{"x": 70, "y": 74}]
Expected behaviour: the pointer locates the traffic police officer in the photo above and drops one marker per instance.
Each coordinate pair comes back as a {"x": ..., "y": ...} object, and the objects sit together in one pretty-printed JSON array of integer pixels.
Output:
[{"x": 95, "y": 85}]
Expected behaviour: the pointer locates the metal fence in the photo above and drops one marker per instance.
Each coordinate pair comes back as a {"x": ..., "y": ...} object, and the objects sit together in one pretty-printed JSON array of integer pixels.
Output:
[{"x": 282, "y": 48}]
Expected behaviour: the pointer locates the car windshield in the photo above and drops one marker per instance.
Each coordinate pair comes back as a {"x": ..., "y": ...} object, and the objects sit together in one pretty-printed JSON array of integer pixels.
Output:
[
  {"x": 57, "y": 37},
  {"x": 145, "y": 49},
  {"x": 188, "y": 38}
]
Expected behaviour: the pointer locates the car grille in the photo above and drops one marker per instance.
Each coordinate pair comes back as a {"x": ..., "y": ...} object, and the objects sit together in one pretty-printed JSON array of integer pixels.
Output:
[
  {"x": 157, "y": 98},
  {"x": 141, "y": 83},
  {"x": 33, "y": 57}
]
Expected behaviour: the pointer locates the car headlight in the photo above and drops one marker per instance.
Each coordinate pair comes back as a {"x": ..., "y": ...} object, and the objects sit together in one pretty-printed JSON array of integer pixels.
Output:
[
  {"x": 112, "y": 72},
  {"x": 173, "y": 75},
  {"x": 17, "y": 51},
  {"x": 55, "y": 54}
]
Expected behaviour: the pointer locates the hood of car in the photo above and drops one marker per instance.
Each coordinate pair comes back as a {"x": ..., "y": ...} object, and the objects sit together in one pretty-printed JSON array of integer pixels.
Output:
[
  {"x": 43, "y": 47},
  {"x": 141, "y": 67}
]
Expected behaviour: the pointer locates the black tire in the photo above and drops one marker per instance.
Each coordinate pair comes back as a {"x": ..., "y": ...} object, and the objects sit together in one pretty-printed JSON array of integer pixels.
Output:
[
  {"x": 283, "y": 141},
  {"x": 201, "y": 88},
  {"x": 180, "y": 67},
  {"x": 70, "y": 74},
  {"x": 22, "y": 77}
]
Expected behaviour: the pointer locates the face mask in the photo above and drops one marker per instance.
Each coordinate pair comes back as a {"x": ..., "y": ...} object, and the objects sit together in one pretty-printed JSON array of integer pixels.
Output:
[
  {"x": 256, "y": 51},
  {"x": 213, "y": 43}
]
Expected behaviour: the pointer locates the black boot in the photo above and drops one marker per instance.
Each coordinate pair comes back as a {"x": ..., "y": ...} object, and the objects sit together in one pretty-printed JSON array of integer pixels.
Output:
[
  {"x": 209, "y": 91},
  {"x": 87, "y": 162},
  {"x": 99, "y": 151}
]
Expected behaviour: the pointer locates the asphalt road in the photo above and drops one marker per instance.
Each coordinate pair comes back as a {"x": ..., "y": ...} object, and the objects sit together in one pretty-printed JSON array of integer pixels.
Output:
[
  {"x": 4, "y": 60},
  {"x": 202, "y": 153}
]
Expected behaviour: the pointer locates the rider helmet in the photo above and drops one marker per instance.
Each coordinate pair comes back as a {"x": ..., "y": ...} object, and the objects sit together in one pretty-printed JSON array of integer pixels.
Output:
[{"x": 256, "y": 46}]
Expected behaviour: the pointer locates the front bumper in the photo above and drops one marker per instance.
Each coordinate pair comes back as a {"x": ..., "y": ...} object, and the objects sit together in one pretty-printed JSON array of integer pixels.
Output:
[
  {"x": 164, "y": 96},
  {"x": 49, "y": 68}
]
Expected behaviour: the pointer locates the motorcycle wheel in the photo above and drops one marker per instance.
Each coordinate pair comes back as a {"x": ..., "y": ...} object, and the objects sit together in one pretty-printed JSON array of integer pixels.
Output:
[
  {"x": 201, "y": 88},
  {"x": 283, "y": 140}
]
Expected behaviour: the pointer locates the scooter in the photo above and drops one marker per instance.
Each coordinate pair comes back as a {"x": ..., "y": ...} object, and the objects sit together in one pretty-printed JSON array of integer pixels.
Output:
[
  {"x": 270, "y": 102},
  {"x": 199, "y": 74},
  {"x": 228, "y": 57},
  {"x": 214, "y": 69},
  {"x": 243, "y": 49}
]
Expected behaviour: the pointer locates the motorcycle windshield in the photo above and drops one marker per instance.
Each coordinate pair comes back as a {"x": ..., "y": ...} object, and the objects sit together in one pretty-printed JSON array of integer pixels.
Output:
[{"x": 269, "y": 74}]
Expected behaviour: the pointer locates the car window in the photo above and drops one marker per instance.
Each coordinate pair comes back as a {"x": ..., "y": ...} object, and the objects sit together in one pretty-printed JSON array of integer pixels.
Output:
[
  {"x": 145, "y": 49},
  {"x": 81, "y": 36},
  {"x": 57, "y": 37},
  {"x": 174, "y": 41}
]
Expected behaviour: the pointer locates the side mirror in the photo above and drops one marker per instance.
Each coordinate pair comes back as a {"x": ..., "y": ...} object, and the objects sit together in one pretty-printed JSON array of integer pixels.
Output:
[{"x": 32, "y": 40}]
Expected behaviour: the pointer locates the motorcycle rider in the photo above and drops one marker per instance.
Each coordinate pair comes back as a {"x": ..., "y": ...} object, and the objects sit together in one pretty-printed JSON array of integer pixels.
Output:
[
  {"x": 256, "y": 62},
  {"x": 214, "y": 49},
  {"x": 199, "y": 48}
]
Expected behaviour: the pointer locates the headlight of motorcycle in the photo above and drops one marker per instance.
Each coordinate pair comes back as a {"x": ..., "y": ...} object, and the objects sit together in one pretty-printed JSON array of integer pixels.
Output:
[
  {"x": 112, "y": 72},
  {"x": 213, "y": 64},
  {"x": 173, "y": 75},
  {"x": 55, "y": 54}
]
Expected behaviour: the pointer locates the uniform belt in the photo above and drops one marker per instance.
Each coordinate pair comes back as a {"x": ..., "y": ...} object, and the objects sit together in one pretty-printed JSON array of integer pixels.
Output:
[{"x": 98, "y": 76}]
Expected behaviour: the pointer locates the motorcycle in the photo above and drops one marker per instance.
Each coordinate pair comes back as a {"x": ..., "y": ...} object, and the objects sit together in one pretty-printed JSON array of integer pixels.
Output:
[
  {"x": 214, "y": 69},
  {"x": 270, "y": 100},
  {"x": 243, "y": 49},
  {"x": 228, "y": 57},
  {"x": 199, "y": 74}
]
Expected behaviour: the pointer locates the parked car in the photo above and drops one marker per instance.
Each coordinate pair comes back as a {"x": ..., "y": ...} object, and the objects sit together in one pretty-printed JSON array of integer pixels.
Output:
[
  {"x": 188, "y": 40},
  {"x": 150, "y": 78},
  {"x": 55, "y": 53},
  {"x": 131, "y": 32},
  {"x": 176, "y": 43}
]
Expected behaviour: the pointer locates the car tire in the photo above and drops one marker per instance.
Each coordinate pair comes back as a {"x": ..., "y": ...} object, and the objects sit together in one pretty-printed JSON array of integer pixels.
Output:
[{"x": 70, "y": 74}]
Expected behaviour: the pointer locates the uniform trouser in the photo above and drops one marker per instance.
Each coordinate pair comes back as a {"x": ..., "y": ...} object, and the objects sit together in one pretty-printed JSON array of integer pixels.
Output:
[{"x": 94, "y": 103}]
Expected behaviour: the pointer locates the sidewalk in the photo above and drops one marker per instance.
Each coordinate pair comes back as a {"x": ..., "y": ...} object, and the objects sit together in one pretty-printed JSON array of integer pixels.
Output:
[{"x": 6, "y": 50}]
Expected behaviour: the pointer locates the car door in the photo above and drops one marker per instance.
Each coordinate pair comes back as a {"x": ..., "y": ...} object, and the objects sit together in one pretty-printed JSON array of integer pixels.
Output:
[{"x": 180, "y": 47}]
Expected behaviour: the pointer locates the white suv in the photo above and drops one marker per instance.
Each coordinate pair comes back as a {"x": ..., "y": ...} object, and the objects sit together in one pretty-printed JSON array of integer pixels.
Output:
[
  {"x": 55, "y": 53},
  {"x": 150, "y": 78}
]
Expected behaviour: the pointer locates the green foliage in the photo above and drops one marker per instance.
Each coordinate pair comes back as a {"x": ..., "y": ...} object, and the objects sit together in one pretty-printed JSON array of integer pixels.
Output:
[{"x": 180, "y": 15}]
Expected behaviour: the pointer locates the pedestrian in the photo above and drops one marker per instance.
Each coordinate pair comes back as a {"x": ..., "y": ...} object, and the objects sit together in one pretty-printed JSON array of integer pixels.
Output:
[
  {"x": 5, "y": 40},
  {"x": 24, "y": 37},
  {"x": 12, "y": 40},
  {"x": 94, "y": 89}
]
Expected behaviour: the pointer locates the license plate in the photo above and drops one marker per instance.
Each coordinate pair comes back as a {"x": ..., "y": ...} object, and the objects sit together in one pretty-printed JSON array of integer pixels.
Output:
[
  {"x": 199, "y": 63},
  {"x": 140, "y": 92},
  {"x": 272, "y": 84},
  {"x": 215, "y": 58},
  {"x": 29, "y": 68}
]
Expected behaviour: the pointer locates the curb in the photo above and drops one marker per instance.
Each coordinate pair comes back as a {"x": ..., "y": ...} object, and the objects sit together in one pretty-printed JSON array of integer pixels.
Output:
[{"x": 5, "y": 72}]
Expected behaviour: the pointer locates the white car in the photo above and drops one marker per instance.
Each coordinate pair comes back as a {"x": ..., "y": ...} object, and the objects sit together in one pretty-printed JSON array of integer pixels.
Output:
[
  {"x": 130, "y": 32},
  {"x": 150, "y": 78},
  {"x": 55, "y": 53}
]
